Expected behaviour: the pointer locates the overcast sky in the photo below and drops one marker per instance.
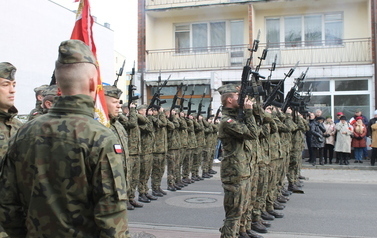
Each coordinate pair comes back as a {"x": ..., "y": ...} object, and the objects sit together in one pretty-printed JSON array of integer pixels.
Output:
[{"x": 122, "y": 17}]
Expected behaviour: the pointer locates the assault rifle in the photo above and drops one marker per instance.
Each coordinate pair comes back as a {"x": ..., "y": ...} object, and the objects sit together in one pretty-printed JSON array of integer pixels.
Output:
[
  {"x": 156, "y": 102},
  {"x": 119, "y": 73},
  {"x": 189, "y": 105},
  {"x": 174, "y": 103},
  {"x": 289, "y": 99},
  {"x": 209, "y": 109},
  {"x": 268, "y": 83},
  {"x": 131, "y": 87},
  {"x": 246, "y": 88},
  {"x": 200, "y": 106},
  {"x": 182, "y": 100},
  {"x": 217, "y": 116},
  {"x": 258, "y": 91},
  {"x": 276, "y": 91}
]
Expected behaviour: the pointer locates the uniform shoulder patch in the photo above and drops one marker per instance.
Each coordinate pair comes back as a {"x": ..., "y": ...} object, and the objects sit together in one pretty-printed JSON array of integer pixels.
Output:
[
  {"x": 35, "y": 113},
  {"x": 118, "y": 149},
  {"x": 229, "y": 120}
]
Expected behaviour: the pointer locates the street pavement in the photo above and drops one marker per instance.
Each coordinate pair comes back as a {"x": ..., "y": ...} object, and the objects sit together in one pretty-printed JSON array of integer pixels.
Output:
[{"x": 339, "y": 201}]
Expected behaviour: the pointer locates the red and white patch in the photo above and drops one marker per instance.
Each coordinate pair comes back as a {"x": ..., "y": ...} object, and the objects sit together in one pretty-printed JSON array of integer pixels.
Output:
[
  {"x": 35, "y": 113},
  {"x": 118, "y": 149},
  {"x": 229, "y": 120}
]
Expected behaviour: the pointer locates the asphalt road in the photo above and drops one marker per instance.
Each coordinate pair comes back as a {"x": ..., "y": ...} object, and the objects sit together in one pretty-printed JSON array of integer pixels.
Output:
[{"x": 336, "y": 203}]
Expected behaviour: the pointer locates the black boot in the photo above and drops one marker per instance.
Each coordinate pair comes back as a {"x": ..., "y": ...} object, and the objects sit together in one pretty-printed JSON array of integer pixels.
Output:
[
  {"x": 321, "y": 161},
  {"x": 325, "y": 160},
  {"x": 340, "y": 161}
]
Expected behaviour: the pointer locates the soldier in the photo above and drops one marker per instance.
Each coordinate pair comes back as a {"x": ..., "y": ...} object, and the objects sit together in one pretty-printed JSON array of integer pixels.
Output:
[
  {"x": 235, "y": 167},
  {"x": 8, "y": 123},
  {"x": 62, "y": 175},
  {"x": 146, "y": 153},
  {"x": 207, "y": 159},
  {"x": 192, "y": 145},
  {"x": 49, "y": 95},
  {"x": 38, "y": 110},
  {"x": 159, "y": 151},
  {"x": 183, "y": 137},
  {"x": 113, "y": 94}
]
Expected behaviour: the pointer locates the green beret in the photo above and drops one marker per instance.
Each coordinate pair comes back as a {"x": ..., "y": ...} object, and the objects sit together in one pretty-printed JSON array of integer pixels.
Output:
[
  {"x": 228, "y": 88},
  {"x": 112, "y": 91},
  {"x": 143, "y": 106},
  {"x": 75, "y": 51},
  {"x": 40, "y": 88},
  {"x": 7, "y": 71},
  {"x": 50, "y": 90}
]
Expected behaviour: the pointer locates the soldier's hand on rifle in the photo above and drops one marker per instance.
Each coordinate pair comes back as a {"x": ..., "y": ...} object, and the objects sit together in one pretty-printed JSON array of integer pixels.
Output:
[
  {"x": 289, "y": 110},
  {"x": 150, "y": 112},
  {"x": 161, "y": 109},
  {"x": 132, "y": 105},
  {"x": 248, "y": 104}
]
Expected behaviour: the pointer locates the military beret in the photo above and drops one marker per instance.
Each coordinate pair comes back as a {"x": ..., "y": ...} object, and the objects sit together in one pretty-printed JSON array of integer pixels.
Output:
[
  {"x": 75, "y": 51},
  {"x": 7, "y": 71},
  {"x": 228, "y": 88},
  {"x": 143, "y": 106},
  {"x": 112, "y": 91},
  {"x": 50, "y": 90},
  {"x": 40, "y": 88}
]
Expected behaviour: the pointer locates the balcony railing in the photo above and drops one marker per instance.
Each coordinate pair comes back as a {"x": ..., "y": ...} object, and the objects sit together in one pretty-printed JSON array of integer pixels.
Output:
[
  {"x": 350, "y": 51},
  {"x": 150, "y": 4}
]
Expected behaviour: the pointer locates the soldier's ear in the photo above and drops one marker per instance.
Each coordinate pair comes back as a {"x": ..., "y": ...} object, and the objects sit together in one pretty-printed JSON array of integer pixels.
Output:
[{"x": 92, "y": 85}]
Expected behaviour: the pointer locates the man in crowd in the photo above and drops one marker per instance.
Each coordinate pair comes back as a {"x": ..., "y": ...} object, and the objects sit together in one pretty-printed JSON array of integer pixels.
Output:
[{"x": 63, "y": 174}]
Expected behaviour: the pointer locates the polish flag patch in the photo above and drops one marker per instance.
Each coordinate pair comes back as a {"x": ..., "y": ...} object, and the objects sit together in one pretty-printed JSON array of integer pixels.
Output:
[
  {"x": 118, "y": 149},
  {"x": 230, "y": 120}
]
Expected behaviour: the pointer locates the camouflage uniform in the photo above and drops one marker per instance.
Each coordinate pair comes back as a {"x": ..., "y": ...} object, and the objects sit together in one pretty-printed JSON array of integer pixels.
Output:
[
  {"x": 183, "y": 136},
  {"x": 192, "y": 145},
  {"x": 146, "y": 154},
  {"x": 160, "y": 149},
  {"x": 174, "y": 145},
  {"x": 235, "y": 168},
  {"x": 66, "y": 143},
  {"x": 198, "y": 153},
  {"x": 208, "y": 130},
  {"x": 38, "y": 110}
]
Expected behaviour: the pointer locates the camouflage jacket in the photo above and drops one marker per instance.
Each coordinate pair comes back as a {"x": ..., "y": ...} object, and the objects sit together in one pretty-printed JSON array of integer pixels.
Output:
[
  {"x": 208, "y": 130},
  {"x": 63, "y": 176},
  {"x": 183, "y": 135},
  {"x": 200, "y": 135},
  {"x": 131, "y": 124},
  {"x": 37, "y": 111},
  {"x": 160, "y": 122},
  {"x": 146, "y": 135},
  {"x": 191, "y": 141},
  {"x": 174, "y": 142},
  {"x": 8, "y": 127},
  {"x": 235, "y": 137}
]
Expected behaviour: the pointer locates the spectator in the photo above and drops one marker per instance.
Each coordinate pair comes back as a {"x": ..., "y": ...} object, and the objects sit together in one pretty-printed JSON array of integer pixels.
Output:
[
  {"x": 358, "y": 113},
  {"x": 338, "y": 115},
  {"x": 308, "y": 135},
  {"x": 317, "y": 140},
  {"x": 343, "y": 140},
  {"x": 318, "y": 113},
  {"x": 329, "y": 139},
  {"x": 358, "y": 140}
]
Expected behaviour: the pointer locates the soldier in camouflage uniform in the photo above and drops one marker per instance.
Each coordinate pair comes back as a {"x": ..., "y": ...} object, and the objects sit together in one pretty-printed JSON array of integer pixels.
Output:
[
  {"x": 146, "y": 154},
  {"x": 183, "y": 137},
  {"x": 208, "y": 130},
  {"x": 8, "y": 123},
  {"x": 38, "y": 110},
  {"x": 174, "y": 145},
  {"x": 198, "y": 153},
  {"x": 235, "y": 166},
  {"x": 159, "y": 151},
  {"x": 63, "y": 174},
  {"x": 192, "y": 145}
]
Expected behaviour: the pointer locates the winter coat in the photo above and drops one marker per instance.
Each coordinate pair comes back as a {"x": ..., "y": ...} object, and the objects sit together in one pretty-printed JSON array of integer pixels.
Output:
[
  {"x": 374, "y": 135},
  {"x": 317, "y": 129},
  {"x": 343, "y": 137},
  {"x": 358, "y": 139},
  {"x": 330, "y": 130}
]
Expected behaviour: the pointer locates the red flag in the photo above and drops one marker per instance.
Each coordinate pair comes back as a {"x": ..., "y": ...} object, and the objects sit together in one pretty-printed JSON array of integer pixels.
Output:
[{"x": 83, "y": 31}]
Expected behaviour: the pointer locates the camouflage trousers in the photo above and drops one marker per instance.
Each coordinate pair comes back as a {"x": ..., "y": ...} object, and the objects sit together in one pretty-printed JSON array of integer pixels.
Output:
[
  {"x": 272, "y": 185},
  {"x": 146, "y": 162},
  {"x": 282, "y": 172},
  {"x": 294, "y": 166},
  {"x": 206, "y": 159},
  {"x": 260, "y": 202},
  {"x": 158, "y": 169},
  {"x": 235, "y": 206},
  {"x": 178, "y": 167},
  {"x": 197, "y": 159},
  {"x": 133, "y": 174},
  {"x": 187, "y": 163},
  {"x": 246, "y": 219},
  {"x": 171, "y": 160}
]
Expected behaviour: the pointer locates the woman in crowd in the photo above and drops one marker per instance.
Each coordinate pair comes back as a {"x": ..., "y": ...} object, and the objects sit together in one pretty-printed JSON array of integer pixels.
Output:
[
  {"x": 329, "y": 139},
  {"x": 317, "y": 140},
  {"x": 343, "y": 140},
  {"x": 358, "y": 140}
]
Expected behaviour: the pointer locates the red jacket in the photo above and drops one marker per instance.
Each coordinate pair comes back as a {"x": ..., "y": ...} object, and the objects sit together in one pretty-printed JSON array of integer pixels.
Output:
[{"x": 357, "y": 142}]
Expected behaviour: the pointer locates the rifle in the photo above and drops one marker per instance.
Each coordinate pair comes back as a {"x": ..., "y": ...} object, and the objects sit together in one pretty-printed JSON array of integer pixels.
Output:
[
  {"x": 246, "y": 89},
  {"x": 217, "y": 116},
  {"x": 174, "y": 103},
  {"x": 255, "y": 82},
  {"x": 119, "y": 73},
  {"x": 272, "y": 95},
  {"x": 291, "y": 94},
  {"x": 182, "y": 100},
  {"x": 268, "y": 83},
  {"x": 131, "y": 87},
  {"x": 156, "y": 102},
  {"x": 200, "y": 106},
  {"x": 209, "y": 109},
  {"x": 189, "y": 106}
]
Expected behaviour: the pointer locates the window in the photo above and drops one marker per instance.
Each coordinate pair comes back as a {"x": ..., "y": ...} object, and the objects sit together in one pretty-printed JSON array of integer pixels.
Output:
[
  {"x": 308, "y": 30},
  {"x": 208, "y": 35}
]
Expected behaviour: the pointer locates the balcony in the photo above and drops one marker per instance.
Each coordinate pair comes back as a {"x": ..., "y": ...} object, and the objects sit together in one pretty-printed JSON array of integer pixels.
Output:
[
  {"x": 343, "y": 52},
  {"x": 158, "y": 4}
]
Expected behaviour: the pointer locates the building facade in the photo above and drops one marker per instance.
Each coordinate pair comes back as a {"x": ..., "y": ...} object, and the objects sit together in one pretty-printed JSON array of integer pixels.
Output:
[{"x": 204, "y": 44}]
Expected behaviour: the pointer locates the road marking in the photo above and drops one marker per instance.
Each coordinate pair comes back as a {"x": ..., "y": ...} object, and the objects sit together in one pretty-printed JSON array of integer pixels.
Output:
[{"x": 200, "y": 192}]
